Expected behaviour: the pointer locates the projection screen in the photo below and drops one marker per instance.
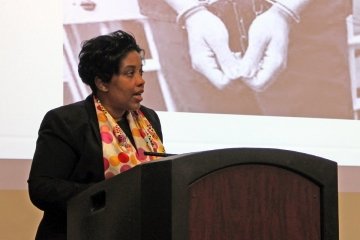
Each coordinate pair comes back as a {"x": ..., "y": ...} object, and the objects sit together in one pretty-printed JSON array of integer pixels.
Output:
[{"x": 300, "y": 90}]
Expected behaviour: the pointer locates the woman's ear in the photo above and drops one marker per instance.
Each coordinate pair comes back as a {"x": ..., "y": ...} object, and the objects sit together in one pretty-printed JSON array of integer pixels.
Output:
[{"x": 100, "y": 85}]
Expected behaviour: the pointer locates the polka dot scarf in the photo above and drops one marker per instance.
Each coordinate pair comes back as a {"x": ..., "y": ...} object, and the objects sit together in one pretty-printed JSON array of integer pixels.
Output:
[{"x": 119, "y": 154}]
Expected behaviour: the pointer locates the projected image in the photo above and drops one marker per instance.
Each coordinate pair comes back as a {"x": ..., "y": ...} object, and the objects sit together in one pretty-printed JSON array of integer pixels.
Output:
[{"x": 253, "y": 57}]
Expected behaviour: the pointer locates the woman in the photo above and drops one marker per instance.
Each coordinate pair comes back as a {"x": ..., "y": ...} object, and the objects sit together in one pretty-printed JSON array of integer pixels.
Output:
[{"x": 92, "y": 140}]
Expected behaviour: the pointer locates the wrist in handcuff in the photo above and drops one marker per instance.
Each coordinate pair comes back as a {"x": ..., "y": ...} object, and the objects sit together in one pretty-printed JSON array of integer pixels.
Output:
[
  {"x": 285, "y": 10},
  {"x": 185, "y": 14}
]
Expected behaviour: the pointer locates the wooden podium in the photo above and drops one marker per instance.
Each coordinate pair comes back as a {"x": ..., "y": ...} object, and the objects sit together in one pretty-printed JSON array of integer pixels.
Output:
[{"x": 227, "y": 194}]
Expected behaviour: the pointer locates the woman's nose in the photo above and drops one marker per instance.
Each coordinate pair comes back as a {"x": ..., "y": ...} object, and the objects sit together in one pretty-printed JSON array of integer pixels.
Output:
[{"x": 140, "y": 80}]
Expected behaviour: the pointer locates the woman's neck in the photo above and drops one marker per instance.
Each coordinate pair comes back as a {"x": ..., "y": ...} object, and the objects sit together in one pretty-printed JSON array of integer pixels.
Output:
[{"x": 116, "y": 114}]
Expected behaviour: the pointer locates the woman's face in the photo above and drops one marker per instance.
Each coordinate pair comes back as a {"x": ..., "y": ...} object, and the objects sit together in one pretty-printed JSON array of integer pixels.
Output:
[{"x": 124, "y": 90}]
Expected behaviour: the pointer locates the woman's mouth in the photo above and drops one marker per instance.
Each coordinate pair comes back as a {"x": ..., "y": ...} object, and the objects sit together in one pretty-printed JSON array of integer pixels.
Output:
[{"x": 138, "y": 96}]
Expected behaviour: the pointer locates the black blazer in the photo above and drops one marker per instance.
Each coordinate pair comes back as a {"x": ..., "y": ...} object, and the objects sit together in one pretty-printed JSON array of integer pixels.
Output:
[{"x": 68, "y": 159}]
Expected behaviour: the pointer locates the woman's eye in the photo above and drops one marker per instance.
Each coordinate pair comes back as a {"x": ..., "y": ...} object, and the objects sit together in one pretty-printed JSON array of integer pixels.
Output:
[{"x": 129, "y": 73}]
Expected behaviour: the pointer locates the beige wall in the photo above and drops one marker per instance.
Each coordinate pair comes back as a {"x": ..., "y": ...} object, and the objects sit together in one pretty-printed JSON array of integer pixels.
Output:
[
  {"x": 349, "y": 216},
  {"x": 19, "y": 218}
]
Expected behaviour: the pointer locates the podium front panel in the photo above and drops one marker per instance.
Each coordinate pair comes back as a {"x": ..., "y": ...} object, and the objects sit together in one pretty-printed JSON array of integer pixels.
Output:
[{"x": 254, "y": 201}]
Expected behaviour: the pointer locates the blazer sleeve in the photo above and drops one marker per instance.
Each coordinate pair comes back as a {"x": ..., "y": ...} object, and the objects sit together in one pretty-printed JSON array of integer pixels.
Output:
[{"x": 54, "y": 160}]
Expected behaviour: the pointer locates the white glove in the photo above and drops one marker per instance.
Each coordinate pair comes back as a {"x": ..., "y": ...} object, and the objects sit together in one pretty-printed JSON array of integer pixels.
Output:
[
  {"x": 266, "y": 55},
  {"x": 209, "y": 48}
]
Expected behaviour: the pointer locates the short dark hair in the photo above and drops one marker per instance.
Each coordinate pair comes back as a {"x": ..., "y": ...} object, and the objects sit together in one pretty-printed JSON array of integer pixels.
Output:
[{"x": 101, "y": 56}]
